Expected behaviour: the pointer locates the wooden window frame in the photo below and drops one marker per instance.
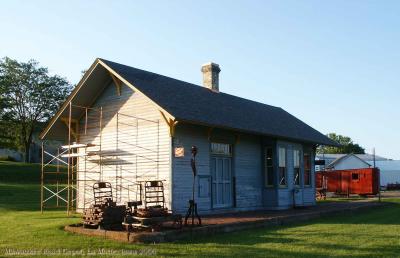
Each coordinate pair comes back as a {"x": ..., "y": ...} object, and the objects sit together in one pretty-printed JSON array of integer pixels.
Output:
[
  {"x": 285, "y": 172},
  {"x": 269, "y": 168},
  {"x": 299, "y": 178},
  {"x": 307, "y": 170},
  {"x": 230, "y": 149}
]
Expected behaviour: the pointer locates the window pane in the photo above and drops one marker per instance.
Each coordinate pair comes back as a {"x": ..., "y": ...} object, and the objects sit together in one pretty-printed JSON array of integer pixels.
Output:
[
  {"x": 307, "y": 161},
  {"x": 307, "y": 169},
  {"x": 221, "y": 148},
  {"x": 282, "y": 176},
  {"x": 296, "y": 158},
  {"x": 269, "y": 157},
  {"x": 268, "y": 169},
  {"x": 307, "y": 177},
  {"x": 297, "y": 176},
  {"x": 270, "y": 176},
  {"x": 282, "y": 157}
]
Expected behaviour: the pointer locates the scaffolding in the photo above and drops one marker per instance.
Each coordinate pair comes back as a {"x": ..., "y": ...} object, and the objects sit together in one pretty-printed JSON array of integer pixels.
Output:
[{"x": 100, "y": 146}]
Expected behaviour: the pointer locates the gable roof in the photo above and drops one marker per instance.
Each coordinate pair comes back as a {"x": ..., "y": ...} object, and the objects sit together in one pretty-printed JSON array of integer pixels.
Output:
[
  {"x": 191, "y": 103},
  {"x": 366, "y": 157},
  {"x": 340, "y": 159}
]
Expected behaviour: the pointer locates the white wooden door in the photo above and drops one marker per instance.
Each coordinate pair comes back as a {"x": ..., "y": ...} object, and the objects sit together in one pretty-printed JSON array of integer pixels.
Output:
[{"x": 221, "y": 175}]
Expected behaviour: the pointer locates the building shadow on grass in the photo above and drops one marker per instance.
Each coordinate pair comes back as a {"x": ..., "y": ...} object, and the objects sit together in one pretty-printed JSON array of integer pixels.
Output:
[
  {"x": 20, "y": 197},
  {"x": 270, "y": 243}
]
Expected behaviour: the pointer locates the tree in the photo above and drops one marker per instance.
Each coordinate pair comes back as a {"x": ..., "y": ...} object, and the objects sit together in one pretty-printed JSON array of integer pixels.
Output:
[
  {"x": 29, "y": 95},
  {"x": 347, "y": 146}
]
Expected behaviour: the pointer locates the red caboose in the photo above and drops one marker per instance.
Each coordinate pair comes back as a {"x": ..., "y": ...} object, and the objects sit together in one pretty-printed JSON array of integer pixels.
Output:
[{"x": 364, "y": 181}]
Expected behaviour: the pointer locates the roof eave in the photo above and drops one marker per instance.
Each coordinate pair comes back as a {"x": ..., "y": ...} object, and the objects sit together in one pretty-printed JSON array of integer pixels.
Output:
[
  {"x": 69, "y": 98},
  {"x": 253, "y": 132}
]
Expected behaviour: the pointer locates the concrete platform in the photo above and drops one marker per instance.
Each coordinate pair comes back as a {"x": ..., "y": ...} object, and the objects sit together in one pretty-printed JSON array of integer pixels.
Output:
[{"x": 230, "y": 222}]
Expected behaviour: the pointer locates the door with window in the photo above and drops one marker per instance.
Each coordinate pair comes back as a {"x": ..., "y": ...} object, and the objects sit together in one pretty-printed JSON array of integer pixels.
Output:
[
  {"x": 221, "y": 175},
  {"x": 297, "y": 178}
]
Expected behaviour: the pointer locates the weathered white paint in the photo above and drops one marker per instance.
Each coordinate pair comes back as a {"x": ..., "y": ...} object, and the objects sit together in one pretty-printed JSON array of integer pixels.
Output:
[{"x": 144, "y": 145}]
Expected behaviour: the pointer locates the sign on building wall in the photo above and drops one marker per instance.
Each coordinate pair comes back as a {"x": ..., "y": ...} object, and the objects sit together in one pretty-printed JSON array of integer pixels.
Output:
[{"x": 179, "y": 152}]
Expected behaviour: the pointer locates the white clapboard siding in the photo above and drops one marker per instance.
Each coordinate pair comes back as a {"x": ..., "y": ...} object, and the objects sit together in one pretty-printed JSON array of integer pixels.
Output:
[{"x": 143, "y": 145}]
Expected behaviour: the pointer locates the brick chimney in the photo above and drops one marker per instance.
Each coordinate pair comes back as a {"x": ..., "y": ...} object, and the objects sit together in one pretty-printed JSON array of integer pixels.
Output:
[{"x": 211, "y": 76}]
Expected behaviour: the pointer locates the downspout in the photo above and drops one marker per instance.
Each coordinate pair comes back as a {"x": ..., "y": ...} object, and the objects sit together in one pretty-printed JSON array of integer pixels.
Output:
[{"x": 171, "y": 174}]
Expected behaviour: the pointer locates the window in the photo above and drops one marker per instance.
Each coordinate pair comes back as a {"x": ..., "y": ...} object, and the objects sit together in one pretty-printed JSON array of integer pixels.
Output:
[
  {"x": 296, "y": 164},
  {"x": 221, "y": 149},
  {"x": 282, "y": 166},
  {"x": 354, "y": 176},
  {"x": 269, "y": 168},
  {"x": 307, "y": 169}
]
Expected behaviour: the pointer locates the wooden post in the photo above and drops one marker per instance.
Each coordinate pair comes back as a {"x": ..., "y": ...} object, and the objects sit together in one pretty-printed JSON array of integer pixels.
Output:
[
  {"x": 69, "y": 158},
  {"x": 57, "y": 175},
  {"x": 116, "y": 164},
  {"x": 101, "y": 136},
  {"x": 41, "y": 187},
  {"x": 73, "y": 161},
  {"x": 84, "y": 182},
  {"x": 379, "y": 176},
  {"x": 86, "y": 119}
]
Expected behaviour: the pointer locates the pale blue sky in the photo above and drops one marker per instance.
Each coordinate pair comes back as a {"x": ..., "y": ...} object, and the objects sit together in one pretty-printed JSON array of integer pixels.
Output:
[{"x": 333, "y": 64}]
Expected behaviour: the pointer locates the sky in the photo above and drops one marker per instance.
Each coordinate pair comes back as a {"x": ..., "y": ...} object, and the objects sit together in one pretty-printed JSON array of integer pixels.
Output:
[{"x": 333, "y": 64}]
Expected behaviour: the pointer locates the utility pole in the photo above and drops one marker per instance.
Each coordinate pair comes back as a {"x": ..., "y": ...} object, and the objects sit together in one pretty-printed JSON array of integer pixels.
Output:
[{"x": 379, "y": 176}]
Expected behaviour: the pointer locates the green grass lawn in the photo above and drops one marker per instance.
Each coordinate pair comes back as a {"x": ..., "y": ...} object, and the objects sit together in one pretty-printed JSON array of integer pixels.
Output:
[{"x": 375, "y": 233}]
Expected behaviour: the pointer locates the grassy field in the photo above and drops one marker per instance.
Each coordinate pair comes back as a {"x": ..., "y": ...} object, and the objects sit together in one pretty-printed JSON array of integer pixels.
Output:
[{"x": 23, "y": 229}]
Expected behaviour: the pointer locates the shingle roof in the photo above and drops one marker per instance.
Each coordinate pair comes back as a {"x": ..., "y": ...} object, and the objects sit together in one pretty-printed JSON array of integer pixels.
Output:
[{"x": 196, "y": 104}]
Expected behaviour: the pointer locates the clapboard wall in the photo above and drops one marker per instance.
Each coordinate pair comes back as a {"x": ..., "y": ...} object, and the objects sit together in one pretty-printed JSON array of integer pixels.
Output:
[
  {"x": 132, "y": 126},
  {"x": 246, "y": 168}
]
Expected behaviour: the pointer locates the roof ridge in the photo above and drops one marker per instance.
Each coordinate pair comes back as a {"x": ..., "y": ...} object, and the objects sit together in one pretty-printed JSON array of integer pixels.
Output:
[
  {"x": 191, "y": 84},
  {"x": 194, "y": 103}
]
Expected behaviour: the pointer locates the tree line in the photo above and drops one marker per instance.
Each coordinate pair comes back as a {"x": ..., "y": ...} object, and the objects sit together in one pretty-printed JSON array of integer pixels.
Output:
[
  {"x": 347, "y": 146},
  {"x": 29, "y": 96}
]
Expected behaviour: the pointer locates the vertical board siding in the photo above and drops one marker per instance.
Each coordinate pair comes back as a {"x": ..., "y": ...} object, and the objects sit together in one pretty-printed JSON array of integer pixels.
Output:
[{"x": 143, "y": 145}]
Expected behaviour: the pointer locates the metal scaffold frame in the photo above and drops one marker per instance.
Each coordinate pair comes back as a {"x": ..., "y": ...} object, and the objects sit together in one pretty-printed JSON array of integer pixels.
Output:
[{"x": 71, "y": 171}]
